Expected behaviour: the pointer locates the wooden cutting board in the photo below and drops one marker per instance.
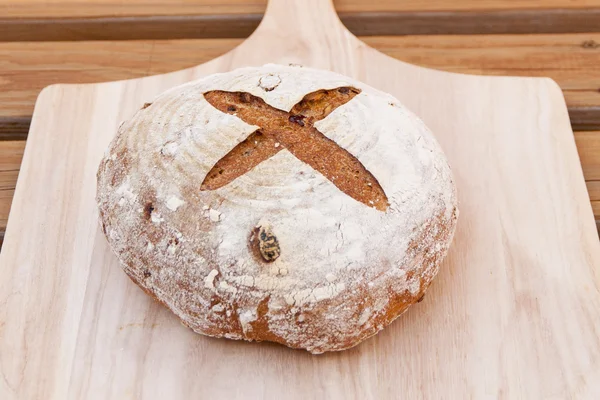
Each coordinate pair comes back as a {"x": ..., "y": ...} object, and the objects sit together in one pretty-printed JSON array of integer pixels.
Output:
[{"x": 514, "y": 312}]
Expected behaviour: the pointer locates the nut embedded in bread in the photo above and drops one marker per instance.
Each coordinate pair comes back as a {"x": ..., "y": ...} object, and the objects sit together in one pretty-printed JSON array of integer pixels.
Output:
[{"x": 279, "y": 203}]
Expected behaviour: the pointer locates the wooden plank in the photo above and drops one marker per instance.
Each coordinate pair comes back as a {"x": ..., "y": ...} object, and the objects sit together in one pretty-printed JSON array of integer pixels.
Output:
[
  {"x": 100, "y": 8},
  {"x": 588, "y": 146},
  {"x": 585, "y": 118},
  {"x": 129, "y": 28},
  {"x": 570, "y": 59},
  {"x": 11, "y": 153},
  {"x": 25, "y": 68},
  {"x": 14, "y": 128},
  {"x": 593, "y": 190},
  {"x": 6, "y": 197},
  {"x": 473, "y": 22},
  {"x": 596, "y": 207},
  {"x": 33, "y": 20},
  {"x": 361, "y": 24}
]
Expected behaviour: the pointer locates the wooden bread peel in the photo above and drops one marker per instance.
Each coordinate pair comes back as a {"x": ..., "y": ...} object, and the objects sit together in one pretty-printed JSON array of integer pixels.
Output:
[{"x": 514, "y": 312}]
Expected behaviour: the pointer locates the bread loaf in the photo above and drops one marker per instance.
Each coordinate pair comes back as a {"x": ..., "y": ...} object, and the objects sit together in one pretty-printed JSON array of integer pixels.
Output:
[{"x": 278, "y": 203}]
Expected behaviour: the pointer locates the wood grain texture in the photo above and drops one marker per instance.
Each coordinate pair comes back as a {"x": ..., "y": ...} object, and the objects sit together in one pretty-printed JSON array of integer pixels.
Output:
[
  {"x": 129, "y": 28},
  {"x": 596, "y": 206},
  {"x": 588, "y": 146},
  {"x": 11, "y": 153},
  {"x": 102, "y": 8},
  {"x": 14, "y": 128},
  {"x": 593, "y": 190},
  {"x": 240, "y": 26},
  {"x": 474, "y": 22},
  {"x": 571, "y": 60},
  {"x": 33, "y": 20},
  {"x": 515, "y": 311}
]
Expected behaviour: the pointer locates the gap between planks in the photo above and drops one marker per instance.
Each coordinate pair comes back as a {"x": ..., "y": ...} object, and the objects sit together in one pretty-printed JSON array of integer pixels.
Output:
[{"x": 572, "y": 60}]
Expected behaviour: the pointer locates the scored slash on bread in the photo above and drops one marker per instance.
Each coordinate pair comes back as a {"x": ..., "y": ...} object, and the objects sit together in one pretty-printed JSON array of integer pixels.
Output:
[{"x": 295, "y": 132}]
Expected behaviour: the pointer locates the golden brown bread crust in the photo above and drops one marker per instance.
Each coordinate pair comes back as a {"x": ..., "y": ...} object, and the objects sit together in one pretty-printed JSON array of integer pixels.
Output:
[{"x": 345, "y": 270}]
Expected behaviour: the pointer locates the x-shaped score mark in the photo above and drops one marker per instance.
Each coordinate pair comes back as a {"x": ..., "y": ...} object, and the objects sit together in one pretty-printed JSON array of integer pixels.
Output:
[{"x": 295, "y": 132}]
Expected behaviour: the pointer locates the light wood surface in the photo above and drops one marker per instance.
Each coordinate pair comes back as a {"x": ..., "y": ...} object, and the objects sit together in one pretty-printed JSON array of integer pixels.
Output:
[{"x": 514, "y": 313}]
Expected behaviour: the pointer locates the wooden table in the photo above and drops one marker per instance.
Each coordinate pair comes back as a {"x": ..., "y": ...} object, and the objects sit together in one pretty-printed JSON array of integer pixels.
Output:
[{"x": 44, "y": 42}]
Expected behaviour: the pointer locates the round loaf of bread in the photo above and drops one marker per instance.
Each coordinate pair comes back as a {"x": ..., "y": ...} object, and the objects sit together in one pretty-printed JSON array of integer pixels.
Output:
[{"x": 279, "y": 203}]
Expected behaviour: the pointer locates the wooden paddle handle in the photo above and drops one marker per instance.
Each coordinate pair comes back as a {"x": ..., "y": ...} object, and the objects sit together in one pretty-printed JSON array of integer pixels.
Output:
[
  {"x": 293, "y": 16},
  {"x": 306, "y": 32}
]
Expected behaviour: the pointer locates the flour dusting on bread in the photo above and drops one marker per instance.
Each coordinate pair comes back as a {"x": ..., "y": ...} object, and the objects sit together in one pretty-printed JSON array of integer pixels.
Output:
[{"x": 330, "y": 271}]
